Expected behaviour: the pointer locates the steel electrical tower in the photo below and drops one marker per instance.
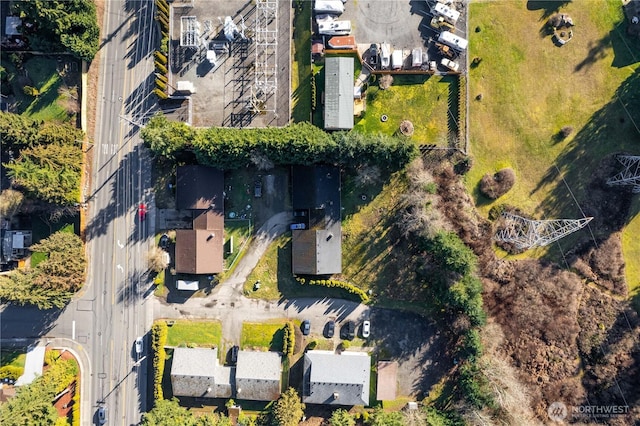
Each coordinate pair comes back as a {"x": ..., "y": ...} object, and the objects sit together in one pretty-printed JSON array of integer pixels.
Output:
[
  {"x": 527, "y": 233},
  {"x": 266, "y": 63},
  {"x": 630, "y": 176}
]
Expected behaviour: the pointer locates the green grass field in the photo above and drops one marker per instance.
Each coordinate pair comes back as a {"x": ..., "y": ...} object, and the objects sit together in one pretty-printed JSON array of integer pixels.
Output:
[
  {"x": 39, "y": 72},
  {"x": 198, "y": 333},
  {"x": 266, "y": 336},
  {"x": 423, "y": 100},
  {"x": 531, "y": 89}
]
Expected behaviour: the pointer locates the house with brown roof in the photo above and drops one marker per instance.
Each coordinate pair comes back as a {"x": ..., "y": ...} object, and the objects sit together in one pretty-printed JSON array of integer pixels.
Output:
[
  {"x": 200, "y": 250},
  {"x": 316, "y": 232}
]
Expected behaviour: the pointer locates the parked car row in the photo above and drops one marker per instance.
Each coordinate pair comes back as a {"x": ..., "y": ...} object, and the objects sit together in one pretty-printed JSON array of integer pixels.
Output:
[{"x": 348, "y": 330}]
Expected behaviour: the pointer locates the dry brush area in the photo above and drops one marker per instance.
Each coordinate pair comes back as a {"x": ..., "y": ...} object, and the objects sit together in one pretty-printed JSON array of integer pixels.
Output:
[{"x": 556, "y": 332}]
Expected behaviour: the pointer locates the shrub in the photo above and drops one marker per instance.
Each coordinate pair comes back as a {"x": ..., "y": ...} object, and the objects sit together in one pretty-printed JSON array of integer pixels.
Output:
[
  {"x": 160, "y": 57},
  {"x": 160, "y": 94},
  {"x": 566, "y": 131},
  {"x": 160, "y": 67},
  {"x": 159, "y": 332},
  {"x": 473, "y": 386},
  {"x": 449, "y": 250},
  {"x": 30, "y": 91},
  {"x": 495, "y": 186},
  {"x": 289, "y": 339},
  {"x": 11, "y": 372},
  {"x": 338, "y": 284}
]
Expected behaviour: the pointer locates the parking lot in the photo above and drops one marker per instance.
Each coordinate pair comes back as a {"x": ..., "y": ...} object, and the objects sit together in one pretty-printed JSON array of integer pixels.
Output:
[
  {"x": 403, "y": 25},
  {"x": 225, "y": 93}
]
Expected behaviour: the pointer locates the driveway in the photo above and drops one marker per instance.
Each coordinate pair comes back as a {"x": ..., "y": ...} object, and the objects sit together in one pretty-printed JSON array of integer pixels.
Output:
[{"x": 408, "y": 338}]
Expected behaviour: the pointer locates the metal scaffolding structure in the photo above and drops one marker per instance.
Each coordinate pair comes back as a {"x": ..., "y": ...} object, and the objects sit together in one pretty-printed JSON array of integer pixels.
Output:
[
  {"x": 266, "y": 64},
  {"x": 189, "y": 31},
  {"x": 527, "y": 233},
  {"x": 630, "y": 176}
]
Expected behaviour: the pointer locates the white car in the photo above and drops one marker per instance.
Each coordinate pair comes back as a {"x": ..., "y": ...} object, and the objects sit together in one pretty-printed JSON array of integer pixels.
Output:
[
  {"x": 448, "y": 63},
  {"x": 366, "y": 329},
  {"x": 139, "y": 345}
]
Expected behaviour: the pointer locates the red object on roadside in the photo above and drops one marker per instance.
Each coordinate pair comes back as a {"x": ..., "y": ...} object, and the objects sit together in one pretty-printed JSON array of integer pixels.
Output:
[{"x": 142, "y": 211}]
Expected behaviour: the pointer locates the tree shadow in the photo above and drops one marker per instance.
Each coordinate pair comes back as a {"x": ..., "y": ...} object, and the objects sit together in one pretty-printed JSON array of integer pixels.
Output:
[
  {"x": 125, "y": 193},
  {"x": 579, "y": 170},
  {"x": 626, "y": 51},
  {"x": 144, "y": 35},
  {"x": 26, "y": 323},
  {"x": 548, "y": 7}
]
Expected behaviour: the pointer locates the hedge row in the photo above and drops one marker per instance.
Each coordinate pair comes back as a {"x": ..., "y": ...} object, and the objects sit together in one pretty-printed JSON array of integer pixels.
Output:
[
  {"x": 300, "y": 143},
  {"x": 75, "y": 410},
  {"x": 289, "y": 340},
  {"x": 160, "y": 55},
  {"x": 337, "y": 284},
  {"x": 159, "y": 333},
  {"x": 314, "y": 91}
]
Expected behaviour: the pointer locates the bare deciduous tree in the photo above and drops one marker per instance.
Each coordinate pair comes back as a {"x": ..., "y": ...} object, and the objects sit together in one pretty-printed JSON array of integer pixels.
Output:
[{"x": 157, "y": 259}]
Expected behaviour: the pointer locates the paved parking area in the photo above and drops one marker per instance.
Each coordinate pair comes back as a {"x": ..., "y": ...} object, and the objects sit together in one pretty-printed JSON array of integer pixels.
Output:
[{"x": 392, "y": 21}]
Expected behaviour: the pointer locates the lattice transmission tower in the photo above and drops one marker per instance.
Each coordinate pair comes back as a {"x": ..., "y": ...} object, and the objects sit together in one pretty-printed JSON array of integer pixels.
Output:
[
  {"x": 266, "y": 61},
  {"x": 527, "y": 233},
  {"x": 630, "y": 176}
]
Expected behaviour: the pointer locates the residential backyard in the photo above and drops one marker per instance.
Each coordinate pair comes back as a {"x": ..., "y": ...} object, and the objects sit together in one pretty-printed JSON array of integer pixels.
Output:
[
  {"x": 423, "y": 100},
  {"x": 195, "y": 333},
  {"x": 263, "y": 336},
  {"x": 526, "y": 89},
  {"x": 55, "y": 80}
]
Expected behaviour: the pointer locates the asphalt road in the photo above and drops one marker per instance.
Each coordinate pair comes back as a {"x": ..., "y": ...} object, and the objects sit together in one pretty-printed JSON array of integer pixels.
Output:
[
  {"x": 117, "y": 236},
  {"x": 107, "y": 316}
]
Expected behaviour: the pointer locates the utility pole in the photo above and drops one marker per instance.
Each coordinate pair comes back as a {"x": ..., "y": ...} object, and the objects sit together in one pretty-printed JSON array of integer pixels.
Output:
[{"x": 527, "y": 233}]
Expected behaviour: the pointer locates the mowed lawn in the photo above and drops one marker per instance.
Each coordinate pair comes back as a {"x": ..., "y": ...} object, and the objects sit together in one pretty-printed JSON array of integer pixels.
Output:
[
  {"x": 419, "y": 99},
  {"x": 531, "y": 89},
  {"x": 266, "y": 336},
  {"x": 198, "y": 333}
]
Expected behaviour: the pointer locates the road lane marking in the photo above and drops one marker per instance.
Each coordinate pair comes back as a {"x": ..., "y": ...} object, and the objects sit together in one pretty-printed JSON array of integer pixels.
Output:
[
  {"x": 73, "y": 330},
  {"x": 120, "y": 268},
  {"x": 120, "y": 244}
]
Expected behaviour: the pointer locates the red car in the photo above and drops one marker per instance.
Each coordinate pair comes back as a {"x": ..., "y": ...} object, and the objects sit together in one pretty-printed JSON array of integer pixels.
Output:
[{"x": 142, "y": 211}]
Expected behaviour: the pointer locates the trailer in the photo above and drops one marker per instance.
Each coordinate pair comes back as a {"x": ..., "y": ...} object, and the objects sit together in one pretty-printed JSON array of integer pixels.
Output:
[
  {"x": 385, "y": 55},
  {"x": 446, "y": 12},
  {"x": 416, "y": 57},
  {"x": 453, "y": 40},
  {"x": 334, "y": 28},
  {"x": 329, "y": 6},
  {"x": 396, "y": 59}
]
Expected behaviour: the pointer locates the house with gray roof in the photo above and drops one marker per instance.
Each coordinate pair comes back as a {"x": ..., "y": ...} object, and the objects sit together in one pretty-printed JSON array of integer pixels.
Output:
[
  {"x": 336, "y": 379},
  {"x": 316, "y": 249},
  {"x": 258, "y": 375},
  {"x": 338, "y": 93},
  {"x": 195, "y": 372}
]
